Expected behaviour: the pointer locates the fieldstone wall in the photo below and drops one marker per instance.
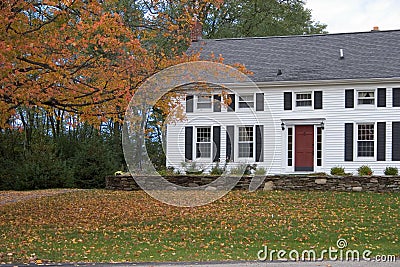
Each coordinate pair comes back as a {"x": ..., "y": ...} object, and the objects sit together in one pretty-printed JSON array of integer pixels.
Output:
[{"x": 281, "y": 182}]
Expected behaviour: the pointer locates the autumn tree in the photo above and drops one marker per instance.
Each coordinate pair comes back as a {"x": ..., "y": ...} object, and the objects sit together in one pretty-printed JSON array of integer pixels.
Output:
[{"x": 82, "y": 56}]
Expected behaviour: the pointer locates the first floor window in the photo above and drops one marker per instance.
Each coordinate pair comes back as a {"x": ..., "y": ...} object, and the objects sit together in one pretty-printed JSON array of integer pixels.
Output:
[
  {"x": 303, "y": 100},
  {"x": 246, "y": 101},
  {"x": 204, "y": 102},
  {"x": 246, "y": 141},
  {"x": 203, "y": 142},
  {"x": 366, "y": 97},
  {"x": 365, "y": 140}
]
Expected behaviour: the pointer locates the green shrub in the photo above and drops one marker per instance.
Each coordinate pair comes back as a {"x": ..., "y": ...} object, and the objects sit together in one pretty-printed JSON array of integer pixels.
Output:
[
  {"x": 242, "y": 169},
  {"x": 391, "y": 171},
  {"x": 260, "y": 171},
  {"x": 365, "y": 171},
  {"x": 217, "y": 170},
  {"x": 192, "y": 168},
  {"x": 339, "y": 171},
  {"x": 170, "y": 171},
  {"x": 238, "y": 170}
]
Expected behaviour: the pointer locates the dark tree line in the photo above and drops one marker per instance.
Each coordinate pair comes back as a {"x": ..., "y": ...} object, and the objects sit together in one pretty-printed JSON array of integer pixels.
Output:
[{"x": 43, "y": 150}]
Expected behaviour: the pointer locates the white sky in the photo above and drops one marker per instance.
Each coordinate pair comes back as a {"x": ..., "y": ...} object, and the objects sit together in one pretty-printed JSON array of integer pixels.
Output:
[{"x": 356, "y": 15}]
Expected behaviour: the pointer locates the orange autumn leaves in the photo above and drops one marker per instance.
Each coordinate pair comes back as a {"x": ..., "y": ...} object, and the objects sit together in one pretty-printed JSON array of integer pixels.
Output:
[{"x": 80, "y": 56}]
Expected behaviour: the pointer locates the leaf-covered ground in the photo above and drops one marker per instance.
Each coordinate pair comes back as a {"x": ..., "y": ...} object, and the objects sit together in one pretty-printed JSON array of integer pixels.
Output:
[
  {"x": 16, "y": 196},
  {"x": 108, "y": 226}
]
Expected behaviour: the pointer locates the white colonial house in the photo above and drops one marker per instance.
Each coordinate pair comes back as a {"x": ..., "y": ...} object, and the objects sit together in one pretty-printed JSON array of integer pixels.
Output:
[{"x": 322, "y": 101}]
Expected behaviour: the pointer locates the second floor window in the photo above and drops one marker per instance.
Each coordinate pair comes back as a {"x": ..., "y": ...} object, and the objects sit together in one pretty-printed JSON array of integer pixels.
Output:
[
  {"x": 204, "y": 102},
  {"x": 246, "y": 101},
  {"x": 303, "y": 99},
  {"x": 366, "y": 97}
]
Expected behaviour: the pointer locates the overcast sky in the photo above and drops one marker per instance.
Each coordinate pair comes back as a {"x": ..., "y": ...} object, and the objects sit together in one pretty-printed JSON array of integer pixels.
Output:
[{"x": 356, "y": 15}]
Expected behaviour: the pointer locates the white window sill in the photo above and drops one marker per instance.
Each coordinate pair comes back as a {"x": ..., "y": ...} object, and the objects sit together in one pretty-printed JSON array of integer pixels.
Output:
[
  {"x": 203, "y": 160},
  {"x": 204, "y": 110},
  {"x": 365, "y": 159},
  {"x": 245, "y": 109},
  {"x": 365, "y": 106},
  {"x": 304, "y": 108}
]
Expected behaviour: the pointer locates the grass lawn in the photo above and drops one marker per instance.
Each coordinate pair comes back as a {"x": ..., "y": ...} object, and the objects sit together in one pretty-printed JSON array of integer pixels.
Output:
[{"x": 108, "y": 226}]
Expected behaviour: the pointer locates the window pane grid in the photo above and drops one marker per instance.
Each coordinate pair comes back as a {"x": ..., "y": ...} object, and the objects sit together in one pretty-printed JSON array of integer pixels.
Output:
[
  {"x": 365, "y": 148},
  {"x": 246, "y": 134},
  {"x": 245, "y": 150},
  {"x": 365, "y": 132},
  {"x": 203, "y": 150},
  {"x": 306, "y": 96}
]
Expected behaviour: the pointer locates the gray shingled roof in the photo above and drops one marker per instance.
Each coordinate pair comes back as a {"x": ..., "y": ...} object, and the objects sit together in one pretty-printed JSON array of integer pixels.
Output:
[{"x": 374, "y": 54}]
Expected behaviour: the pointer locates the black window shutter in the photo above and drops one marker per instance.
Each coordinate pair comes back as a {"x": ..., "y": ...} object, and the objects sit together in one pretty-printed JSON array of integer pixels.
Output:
[
  {"x": 381, "y": 145},
  {"x": 231, "y": 106},
  {"x": 230, "y": 141},
  {"x": 189, "y": 103},
  {"x": 217, "y": 103},
  {"x": 287, "y": 99},
  {"x": 381, "y": 97},
  {"x": 396, "y": 141},
  {"x": 396, "y": 97},
  {"x": 318, "y": 100},
  {"x": 348, "y": 142},
  {"x": 259, "y": 143},
  {"x": 260, "y": 102},
  {"x": 217, "y": 143},
  {"x": 349, "y": 98},
  {"x": 189, "y": 143}
]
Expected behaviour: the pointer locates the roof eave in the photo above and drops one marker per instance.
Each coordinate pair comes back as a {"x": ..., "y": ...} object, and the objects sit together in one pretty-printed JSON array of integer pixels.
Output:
[{"x": 322, "y": 82}]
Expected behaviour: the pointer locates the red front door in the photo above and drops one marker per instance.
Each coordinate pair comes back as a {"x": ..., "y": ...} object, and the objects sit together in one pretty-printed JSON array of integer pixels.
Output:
[{"x": 304, "y": 148}]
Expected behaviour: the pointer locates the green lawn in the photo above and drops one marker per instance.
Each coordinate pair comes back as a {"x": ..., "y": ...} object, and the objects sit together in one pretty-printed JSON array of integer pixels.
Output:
[{"x": 107, "y": 226}]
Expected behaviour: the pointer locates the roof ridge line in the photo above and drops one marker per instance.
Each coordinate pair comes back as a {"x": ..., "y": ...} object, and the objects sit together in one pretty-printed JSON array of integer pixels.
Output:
[{"x": 300, "y": 35}]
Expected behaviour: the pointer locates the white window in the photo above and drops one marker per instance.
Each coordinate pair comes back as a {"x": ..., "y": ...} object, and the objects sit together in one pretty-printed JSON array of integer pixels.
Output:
[
  {"x": 204, "y": 101},
  {"x": 366, "y": 97},
  {"x": 203, "y": 142},
  {"x": 304, "y": 99},
  {"x": 246, "y": 141},
  {"x": 246, "y": 101},
  {"x": 365, "y": 140}
]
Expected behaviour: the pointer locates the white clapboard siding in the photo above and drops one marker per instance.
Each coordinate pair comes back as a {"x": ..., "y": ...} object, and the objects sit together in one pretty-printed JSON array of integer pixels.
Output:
[{"x": 334, "y": 113}]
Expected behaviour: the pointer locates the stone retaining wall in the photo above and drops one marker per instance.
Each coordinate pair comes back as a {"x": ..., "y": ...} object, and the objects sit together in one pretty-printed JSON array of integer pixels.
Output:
[{"x": 282, "y": 182}]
